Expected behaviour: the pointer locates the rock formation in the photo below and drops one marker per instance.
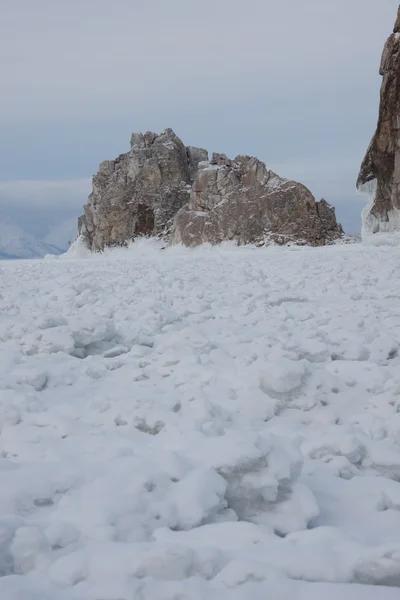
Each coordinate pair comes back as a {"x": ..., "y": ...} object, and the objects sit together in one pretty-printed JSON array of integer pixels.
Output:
[
  {"x": 161, "y": 187},
  {"x": 242, "y": 200},
  {"x": 380, "y": 170},
  {"x": 140, "y": 191}
]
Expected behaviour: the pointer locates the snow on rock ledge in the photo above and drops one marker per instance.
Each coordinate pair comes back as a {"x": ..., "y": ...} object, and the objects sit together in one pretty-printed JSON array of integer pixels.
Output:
[{"x": 377, "y": 230}]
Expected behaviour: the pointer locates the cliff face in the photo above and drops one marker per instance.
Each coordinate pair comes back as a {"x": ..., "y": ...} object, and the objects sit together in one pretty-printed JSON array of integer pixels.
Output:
[
  {"x": 140, "y": 191},
  {"x": 381, "y": 165},
  {"x": 161, "y": 187},
  {"x": 242, "y": 200}
]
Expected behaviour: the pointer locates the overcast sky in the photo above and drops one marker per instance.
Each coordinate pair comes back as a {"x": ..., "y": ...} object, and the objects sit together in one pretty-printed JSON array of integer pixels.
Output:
[{"x": 294, "y": 82}]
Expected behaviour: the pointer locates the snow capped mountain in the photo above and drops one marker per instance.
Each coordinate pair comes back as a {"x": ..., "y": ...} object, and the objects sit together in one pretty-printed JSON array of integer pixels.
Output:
[{"x": 17, "y": 243}]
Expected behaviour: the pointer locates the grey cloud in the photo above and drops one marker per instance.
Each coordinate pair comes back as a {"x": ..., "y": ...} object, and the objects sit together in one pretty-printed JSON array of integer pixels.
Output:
[
  {"x": 44, "y": 195},
  {"x": 89, "y": 58},
  {"x": 39, "y": 206},
  {"x": 295, "y": 83}
]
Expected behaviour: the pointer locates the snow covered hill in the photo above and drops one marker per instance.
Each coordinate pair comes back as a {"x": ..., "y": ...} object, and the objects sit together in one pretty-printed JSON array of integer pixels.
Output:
[
  {"x": 205, "y": 424},
  {"x": 17, "y": 243}
]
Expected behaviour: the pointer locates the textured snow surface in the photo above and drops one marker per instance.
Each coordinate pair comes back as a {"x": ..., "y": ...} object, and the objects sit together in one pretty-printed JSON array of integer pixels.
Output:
[{"x": 207, "y": 424}]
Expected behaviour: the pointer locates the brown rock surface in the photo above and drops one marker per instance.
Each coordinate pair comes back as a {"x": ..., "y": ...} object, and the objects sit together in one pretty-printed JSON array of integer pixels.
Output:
[
  {"x": 242, "y": 200},
  {"x": 381, "y": 164},
  {"x": 160, "y": 187},
  {"x": 140, "y": 191}
]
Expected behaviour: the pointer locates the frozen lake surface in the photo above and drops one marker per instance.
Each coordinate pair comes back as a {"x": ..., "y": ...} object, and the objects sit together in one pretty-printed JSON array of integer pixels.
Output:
[{"x": 208, "y": 424}]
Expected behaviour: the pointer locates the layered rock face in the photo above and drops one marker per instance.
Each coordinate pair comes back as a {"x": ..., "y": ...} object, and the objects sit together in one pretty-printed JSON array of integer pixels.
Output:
[
  {"x": 140, "y": 191},
  {"x": 163, "y": 188},
  {"x": 242, "y": 200},
  {"x": 381, "y": 166}
]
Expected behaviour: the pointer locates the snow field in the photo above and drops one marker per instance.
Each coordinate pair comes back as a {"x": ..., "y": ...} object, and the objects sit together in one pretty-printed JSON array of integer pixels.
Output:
[{"x": 201, "y": 424}]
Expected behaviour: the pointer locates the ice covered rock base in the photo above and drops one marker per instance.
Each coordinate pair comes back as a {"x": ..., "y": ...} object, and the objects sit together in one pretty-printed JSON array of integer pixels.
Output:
[{"x": 201, "y": 424}]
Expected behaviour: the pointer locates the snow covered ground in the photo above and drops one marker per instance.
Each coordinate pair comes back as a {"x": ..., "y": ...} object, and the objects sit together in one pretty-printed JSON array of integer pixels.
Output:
[{"x": 208, "y": 424}]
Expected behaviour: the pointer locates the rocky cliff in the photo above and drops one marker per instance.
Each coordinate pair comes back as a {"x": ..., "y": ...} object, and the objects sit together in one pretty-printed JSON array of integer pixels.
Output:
[
  {"x": 380, "y": 170},
  {"x": 140, "y": 191},
  {"x": 161, "y": 187},
  {"x": 242, "y": 200}
]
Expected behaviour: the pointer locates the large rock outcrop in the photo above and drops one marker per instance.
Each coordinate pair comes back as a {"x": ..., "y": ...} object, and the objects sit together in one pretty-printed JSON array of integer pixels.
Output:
[
  {"x": 161, "y": 187},
  {"x": 380, "y": 170},
  {"x": 140, "y": 191},
  {"x": 242, "y": 200}
]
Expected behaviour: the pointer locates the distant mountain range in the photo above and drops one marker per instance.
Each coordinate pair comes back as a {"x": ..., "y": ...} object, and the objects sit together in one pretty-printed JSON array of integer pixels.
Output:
[{"x": 15, "y": 243}]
